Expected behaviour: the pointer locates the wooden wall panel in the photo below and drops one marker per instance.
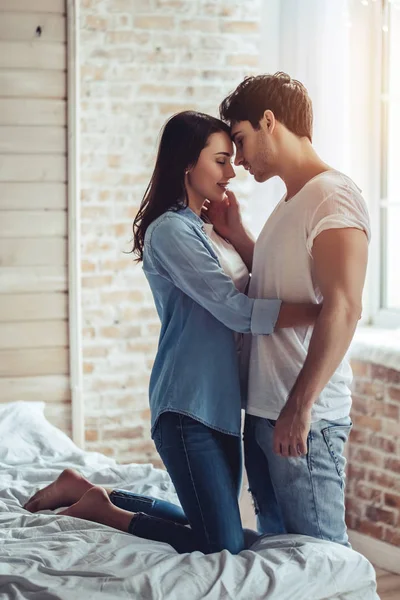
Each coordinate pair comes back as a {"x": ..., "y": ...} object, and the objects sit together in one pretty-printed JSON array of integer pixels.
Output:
[{"x": 34, "y": 351}]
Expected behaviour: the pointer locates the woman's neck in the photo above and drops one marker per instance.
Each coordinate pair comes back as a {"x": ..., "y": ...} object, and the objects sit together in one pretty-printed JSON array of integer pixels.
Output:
[{"x": 195, "y": 203}]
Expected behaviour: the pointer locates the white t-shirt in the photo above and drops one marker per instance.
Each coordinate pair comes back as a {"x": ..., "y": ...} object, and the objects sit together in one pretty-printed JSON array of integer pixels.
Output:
[
  {"x": 283, "y": 268},
  {"x": 229, "y": 258}
]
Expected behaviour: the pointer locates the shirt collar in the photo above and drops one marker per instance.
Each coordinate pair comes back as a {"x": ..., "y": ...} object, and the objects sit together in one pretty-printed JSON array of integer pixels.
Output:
[{"x": 189, "y": 214}]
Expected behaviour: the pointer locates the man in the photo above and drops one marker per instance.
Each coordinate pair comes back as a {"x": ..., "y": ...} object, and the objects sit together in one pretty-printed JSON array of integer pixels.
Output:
[{"x": 313, "y": 248}]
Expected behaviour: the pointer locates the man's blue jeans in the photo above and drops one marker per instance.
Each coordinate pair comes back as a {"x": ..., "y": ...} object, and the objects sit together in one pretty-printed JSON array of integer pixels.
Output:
[
  {"x": 205, "y": 466},
  {"x": 301, "y": 494}
]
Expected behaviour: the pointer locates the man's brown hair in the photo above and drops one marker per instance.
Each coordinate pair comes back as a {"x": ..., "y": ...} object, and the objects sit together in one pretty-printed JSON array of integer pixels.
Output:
[{"x": 287, "y": 98}]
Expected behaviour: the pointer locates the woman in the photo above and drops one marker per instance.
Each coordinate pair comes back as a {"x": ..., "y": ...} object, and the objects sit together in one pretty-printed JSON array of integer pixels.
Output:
[{"x": 197, "y": 280}]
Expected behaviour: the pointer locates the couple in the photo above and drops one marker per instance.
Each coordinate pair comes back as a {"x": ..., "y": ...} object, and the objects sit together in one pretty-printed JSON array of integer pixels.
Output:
[{"x": 299, "y": 308}]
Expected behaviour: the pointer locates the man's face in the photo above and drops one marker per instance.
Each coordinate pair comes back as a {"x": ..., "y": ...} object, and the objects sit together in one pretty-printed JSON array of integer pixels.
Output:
[{"x": 254, "y": 149}]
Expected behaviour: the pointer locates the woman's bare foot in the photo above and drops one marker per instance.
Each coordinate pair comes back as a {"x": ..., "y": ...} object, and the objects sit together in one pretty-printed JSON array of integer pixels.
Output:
[
  {"x": 67, "y": 489},
  {"x": 96, "y": 506}
]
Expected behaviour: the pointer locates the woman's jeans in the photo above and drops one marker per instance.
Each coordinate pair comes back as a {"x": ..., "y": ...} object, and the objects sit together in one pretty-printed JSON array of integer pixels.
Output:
[{"x": 205, "y": 466}]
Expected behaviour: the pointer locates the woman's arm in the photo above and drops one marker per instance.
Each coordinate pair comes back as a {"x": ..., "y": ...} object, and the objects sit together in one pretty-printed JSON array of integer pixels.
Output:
[
  {"x": 297, "y": 315},
  {"x": 179, "y": 254}
]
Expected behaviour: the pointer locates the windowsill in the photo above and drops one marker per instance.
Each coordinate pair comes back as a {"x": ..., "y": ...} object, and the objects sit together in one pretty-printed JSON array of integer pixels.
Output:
[{"x": 377, "y": 345}]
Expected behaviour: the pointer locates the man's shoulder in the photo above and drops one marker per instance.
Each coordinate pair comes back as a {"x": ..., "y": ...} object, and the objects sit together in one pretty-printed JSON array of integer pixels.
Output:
[{"x": 330, "y": 183}]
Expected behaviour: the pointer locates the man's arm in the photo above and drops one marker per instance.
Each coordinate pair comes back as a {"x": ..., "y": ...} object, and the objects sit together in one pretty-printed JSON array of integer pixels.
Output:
[{"x": 340, "y": 262}]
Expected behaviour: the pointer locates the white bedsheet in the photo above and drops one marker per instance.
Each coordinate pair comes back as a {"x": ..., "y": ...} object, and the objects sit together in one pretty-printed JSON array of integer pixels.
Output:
[{"x": 51, "y": 557}]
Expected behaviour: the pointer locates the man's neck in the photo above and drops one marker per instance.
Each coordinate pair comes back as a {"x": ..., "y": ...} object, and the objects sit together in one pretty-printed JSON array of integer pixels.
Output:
[{"x": 299, "y": 167}]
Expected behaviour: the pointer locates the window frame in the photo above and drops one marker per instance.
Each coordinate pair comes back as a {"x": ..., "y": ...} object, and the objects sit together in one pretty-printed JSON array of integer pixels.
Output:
[{"x": 379, "y": 314}]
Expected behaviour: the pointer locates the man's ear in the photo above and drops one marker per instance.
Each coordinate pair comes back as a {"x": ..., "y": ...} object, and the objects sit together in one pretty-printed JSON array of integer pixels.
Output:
[{"x": 268, "y": 121}]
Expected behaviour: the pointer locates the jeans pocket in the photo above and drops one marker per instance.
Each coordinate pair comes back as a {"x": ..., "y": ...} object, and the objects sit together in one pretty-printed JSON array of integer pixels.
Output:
[
  {"x": 335, "y": 437},
  {"x": 271, "y": 423}
]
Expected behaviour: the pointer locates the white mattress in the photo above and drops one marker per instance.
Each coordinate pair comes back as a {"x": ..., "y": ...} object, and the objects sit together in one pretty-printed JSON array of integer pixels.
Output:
[{"x": 48, "y": 557}]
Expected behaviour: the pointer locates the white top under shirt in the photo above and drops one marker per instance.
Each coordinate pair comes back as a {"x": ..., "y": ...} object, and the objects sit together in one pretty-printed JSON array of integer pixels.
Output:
[
  {"x": 283, "y": 268},
  {"x": 230, "y": 260},
  {"x": 232, "y": 265}
]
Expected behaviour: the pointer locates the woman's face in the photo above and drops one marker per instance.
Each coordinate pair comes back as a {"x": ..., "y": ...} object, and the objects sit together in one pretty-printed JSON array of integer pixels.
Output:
[{"x": 209, "y": 178}]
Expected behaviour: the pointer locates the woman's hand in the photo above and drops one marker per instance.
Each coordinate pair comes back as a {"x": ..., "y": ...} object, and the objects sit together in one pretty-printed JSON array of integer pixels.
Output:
[{"x": 225, "y": 216}]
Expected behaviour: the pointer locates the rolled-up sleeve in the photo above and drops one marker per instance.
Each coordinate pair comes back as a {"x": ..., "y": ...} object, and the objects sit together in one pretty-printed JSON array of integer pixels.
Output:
[{"x": 180, "y": 255}]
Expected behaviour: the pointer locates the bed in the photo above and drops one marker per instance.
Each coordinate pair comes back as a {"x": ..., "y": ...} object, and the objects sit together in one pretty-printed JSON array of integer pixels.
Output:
[{"x": 46, "y": 556}]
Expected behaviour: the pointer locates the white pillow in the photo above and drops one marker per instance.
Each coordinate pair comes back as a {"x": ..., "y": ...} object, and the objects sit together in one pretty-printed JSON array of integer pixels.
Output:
[{"x": 27, "y": 437}]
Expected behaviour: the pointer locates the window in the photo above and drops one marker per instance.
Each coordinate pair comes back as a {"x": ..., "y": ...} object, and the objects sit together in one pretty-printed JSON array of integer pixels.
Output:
[
  {"x": 347, "y": 54},
  {"x": 389, "y": 209}
]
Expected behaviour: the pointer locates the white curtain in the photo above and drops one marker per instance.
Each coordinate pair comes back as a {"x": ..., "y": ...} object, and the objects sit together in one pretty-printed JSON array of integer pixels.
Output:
[{"x": 326, "y": 44}]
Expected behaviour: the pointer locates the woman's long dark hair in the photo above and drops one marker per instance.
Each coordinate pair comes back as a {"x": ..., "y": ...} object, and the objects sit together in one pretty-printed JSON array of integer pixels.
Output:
[{"x": 183, "y": 138}]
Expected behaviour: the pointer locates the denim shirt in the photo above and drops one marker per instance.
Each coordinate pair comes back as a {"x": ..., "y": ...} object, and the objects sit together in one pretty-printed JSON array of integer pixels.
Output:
[{"x": 196, "y": 367}]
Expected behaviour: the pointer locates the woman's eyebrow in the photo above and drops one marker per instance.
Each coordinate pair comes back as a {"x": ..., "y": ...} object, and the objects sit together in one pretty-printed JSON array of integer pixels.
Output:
[{"x": 224, "y": 153}]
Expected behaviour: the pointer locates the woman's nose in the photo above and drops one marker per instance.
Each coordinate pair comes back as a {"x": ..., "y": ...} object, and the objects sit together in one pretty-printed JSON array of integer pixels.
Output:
[{"x": 231, "y": 172}]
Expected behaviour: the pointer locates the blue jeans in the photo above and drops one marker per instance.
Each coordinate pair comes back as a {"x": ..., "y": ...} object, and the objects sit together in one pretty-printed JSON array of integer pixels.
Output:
[
  {"x": 148, "y": 505},
  {"x": 205, "y": 466},
  {"x": 303, "y": 494}
]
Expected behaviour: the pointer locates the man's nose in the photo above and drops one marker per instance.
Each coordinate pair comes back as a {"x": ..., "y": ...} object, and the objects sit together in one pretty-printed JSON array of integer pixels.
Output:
[{"x": 238, "y": 159}]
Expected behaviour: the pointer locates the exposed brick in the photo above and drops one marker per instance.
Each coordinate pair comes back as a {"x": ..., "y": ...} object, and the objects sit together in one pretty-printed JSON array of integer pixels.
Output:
[
  {"x": 87, "y": 266},
  {"x": 381, "y": 515},
  {"x": 129, "y": 433},
  {"x": 154, "y": 22},
  {"x": 392, "y": 537},
  {"x": 393, "y": 394},
  {"x": 95, "y": 352},
  {"x": 355, "y": 472},
  {"x": 355, "y": 507},
  {"x": 209, "y": 25},
  {"x": 97, "y": 281},
  {"x": 88, "y": 367},
  {"x": 351, "y": 521},
  {"x": 370, "y": 423},
  {"x": 240, "y": 27},
  {"x": 252, "y": 60},
  {"x": 372, "y": 529},
  {"x": 360, "y": 369},
  {"x": 107, "y": 450},
  {"x": 386, "y": 375},
  {"x": 392, "y": 500},
  {"x": 393, "y": 464},
  {"x": 380, "y": 443},
  {"x": 391, "y": 428},
  {"x": 385, "y": 479},
  {"x": 359, "y": 405},
  {"x": 91, "y": 435},
  {"x": 359, "y": 436},
  {"x": 365, "y": 492},
  {"x": 372, "y": 389},
  {"x": 366, "y": 457},
  {"x": 391, "y": 411},
  {"x": 393, "y": 377},
  {"x": 88, "y": 332},
  {"x": 95, "y": 23},
  {"x": 141, "y": 61},
  {"x": 376, "y": 407}
]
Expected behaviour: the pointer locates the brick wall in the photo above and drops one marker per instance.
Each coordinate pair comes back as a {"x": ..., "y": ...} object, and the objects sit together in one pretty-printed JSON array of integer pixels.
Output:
[
  {"x": 373, "y": 484},
  {"x": 141, "y": 61}
]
